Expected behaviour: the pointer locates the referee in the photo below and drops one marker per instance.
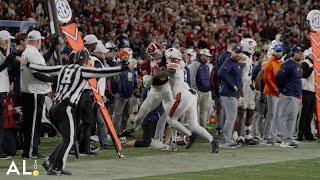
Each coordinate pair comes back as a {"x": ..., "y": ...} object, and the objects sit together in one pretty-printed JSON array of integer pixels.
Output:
[{"x": 72, "y": 80}]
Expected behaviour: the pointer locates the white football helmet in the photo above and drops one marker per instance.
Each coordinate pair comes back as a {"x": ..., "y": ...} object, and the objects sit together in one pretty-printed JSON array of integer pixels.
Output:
[
  {"x": 271, "y": 51},
  {"x": 192, "y": 54},
  {"x": 110, "y": 45},
  {"x": 248, "y": 45},
  {"x": 173, "y": 53}
]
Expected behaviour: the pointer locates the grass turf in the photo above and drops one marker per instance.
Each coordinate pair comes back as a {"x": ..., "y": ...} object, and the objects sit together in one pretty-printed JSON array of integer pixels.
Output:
[
  {"x": 298, "y": 169},
  {"x": 293, "y": 170}
]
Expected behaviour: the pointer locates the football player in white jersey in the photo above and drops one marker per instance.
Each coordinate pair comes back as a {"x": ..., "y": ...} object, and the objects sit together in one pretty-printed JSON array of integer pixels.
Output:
[{"x": 185, "y": 101}]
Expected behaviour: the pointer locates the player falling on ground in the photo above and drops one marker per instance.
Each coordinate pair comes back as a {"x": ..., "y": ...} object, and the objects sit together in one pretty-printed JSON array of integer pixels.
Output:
[
  {"x": 185, "y": 101},
  {"x": 72, "y": 79},
  {"x": 247, "y": 101},
  {"x": 160, "y": 91}
]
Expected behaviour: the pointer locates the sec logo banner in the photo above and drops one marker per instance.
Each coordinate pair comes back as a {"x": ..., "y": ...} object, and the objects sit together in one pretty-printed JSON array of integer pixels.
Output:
[
  {"x": 313, "y": 18},
  {"x": 63, "y": 11}
]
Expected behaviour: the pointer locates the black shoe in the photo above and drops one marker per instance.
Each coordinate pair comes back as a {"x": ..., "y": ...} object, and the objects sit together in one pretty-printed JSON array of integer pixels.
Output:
[
  {"x": 90, "y": 153},
  {"x": 299, "y": 139},
  {"x": 4, "y": 156},
  {"x": 192, "y": 140},
  {"x": 46, "y": 164},
  {"x": 37, "y": 156},
  {"x": 240, "y": 142},
  {"x": 52, "y": 172},
  {"x": 251, "y": 142},
  {"x": 214, "y": 146}
]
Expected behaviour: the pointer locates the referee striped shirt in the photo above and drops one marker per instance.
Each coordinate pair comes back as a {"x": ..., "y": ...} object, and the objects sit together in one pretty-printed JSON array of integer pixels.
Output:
[{"x": 72, "y": 78}]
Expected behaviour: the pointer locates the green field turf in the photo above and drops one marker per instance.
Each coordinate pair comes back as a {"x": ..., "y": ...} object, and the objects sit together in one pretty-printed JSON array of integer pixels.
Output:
[
  {"x": 293, "y": 170},
  {"x": 254, "y": 162}
]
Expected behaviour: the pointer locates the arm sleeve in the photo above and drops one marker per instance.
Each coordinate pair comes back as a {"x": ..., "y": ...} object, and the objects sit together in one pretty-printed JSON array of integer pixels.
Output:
[
  {"x": 7, "y": 61},
  {"x": 50, "y": 70},
  {"x": 4, "y": 65},
  {"x": 89, "y": 72},
  {"x": 147, "y": 81},
  {"x": 224, "y": 74},
  {"x": 306, "y": 70},
  {"x": 164, "y": 73},
  {"x": 44, "y": 77}
]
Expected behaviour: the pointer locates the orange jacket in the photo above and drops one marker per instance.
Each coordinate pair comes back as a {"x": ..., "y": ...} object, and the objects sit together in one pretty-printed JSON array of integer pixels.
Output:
[{"x": 269, "y": 76}]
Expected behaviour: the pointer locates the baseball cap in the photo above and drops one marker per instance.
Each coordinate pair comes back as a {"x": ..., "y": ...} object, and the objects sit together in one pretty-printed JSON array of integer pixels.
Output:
[
  {"x": 90, "y": 39},
  {"x": 296, "y": 49},
  {"x": 101, "y": 48},
  {"x": 4, "y": 35},
  {"x": 82, "y": 55},
  {"x": 205, "y": 52},
  {"x": 237, "y": 48},
  {"x": 34, "y": 35},
  {"x": 278, "y": 47}
]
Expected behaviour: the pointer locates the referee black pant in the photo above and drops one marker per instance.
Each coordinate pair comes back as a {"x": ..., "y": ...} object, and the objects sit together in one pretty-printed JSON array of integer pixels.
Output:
[
  {"x": 32, "y": 107},
  {"x": 84, "y": 112},
  {"x": 62, "y": 116}
]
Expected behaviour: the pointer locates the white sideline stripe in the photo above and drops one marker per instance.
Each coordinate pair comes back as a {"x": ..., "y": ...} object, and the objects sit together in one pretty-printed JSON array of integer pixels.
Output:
[{"x": 71, "y": 125}]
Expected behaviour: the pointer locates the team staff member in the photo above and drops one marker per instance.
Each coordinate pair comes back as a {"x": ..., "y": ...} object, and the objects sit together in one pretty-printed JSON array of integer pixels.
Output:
[
  {"x": 272, "y": 94},
  {"x": 200, "y": 73},
  {"x": 5, "y": 40},
  {"x": 308, "y": 97},
  {"x": 33, "y": 95},
  {"x": 85, "y": 109},
  {"x": 290, "y": 86},
  {"x": 72, "y": 81},
  {"x": 230, "y": 75}
]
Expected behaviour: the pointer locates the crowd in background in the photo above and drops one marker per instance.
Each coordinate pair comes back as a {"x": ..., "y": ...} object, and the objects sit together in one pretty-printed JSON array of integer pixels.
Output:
[{"x": 184, "y": 23}]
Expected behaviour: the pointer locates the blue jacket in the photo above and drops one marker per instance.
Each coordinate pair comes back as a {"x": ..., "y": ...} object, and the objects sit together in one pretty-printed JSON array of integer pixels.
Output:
[
  {"x": 203, "y": 78},
  {"x": 222, "y": 57},
  {"x": 288, "y": 79},
  {"x": 127, "y": 83},
  {"x": 230, "y": 75}
]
